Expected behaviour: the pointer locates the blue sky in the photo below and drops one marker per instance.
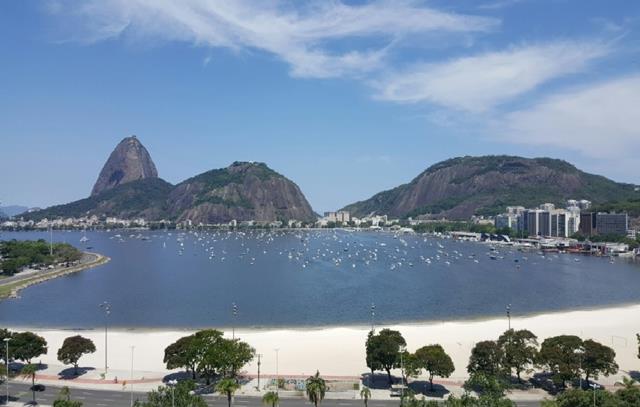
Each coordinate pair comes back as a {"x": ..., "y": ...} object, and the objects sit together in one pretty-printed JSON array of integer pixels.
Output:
[{"x": 345, "y": 98}]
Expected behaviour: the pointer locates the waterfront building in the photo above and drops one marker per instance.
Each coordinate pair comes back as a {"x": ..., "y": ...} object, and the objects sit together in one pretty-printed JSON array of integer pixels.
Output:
[{"x": 612, "y": 224}]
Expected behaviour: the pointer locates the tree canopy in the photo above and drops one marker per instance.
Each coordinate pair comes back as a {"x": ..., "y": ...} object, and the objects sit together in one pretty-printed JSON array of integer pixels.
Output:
[
  {"x": 383, "y": 350},
  {"x": 519, "y": 349},
  {"x": 560, "y": 355},
  {"x": 316, "y": 388},
  {"x": 435, "y": 361},
  {"x": 73, "y": 348}
]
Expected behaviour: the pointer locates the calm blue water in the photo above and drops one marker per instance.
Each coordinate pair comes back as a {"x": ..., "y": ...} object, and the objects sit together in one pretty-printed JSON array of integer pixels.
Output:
[{"x": 309, "y": 279}]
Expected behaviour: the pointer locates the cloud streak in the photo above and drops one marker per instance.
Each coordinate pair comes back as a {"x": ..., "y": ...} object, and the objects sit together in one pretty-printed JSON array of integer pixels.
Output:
[
  {"x": 481, "y": 82},
  {"x": 297, "y": 35},
  {"x": 599, "y": 121}
]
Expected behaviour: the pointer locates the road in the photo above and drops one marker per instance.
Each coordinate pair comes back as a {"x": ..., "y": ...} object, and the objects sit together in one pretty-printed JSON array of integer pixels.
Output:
[{"x": 107, "y": 398}]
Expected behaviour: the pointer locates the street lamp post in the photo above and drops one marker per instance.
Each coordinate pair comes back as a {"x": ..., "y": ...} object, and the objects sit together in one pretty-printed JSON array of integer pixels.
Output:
[
  {"x": 106, "y": 307},
  {"x": 402, "y": 350},
  {"x": 234, "y": 309},
  {"x": 259, "y": 355},
  {"x": 579, "y": 352},
  {"x": 509, "y": 315},
  {"x": 593, "y": 386},
  {"x": 277, "y": 374},
  {"x": 373, "y": 316},
  {"x": 131, "y": 378},
  {"x": 6, "y": 341},
  {"x": 172, "y": 384}
]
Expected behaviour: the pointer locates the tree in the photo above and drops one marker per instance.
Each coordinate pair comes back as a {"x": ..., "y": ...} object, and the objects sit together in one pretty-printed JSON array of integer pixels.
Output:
[
  {"x": 316, "y": 388},
  {"x": 164, "y": 396},
  {"x": 271, "y": 398},
  {"x": 580, "y": 398},
  {"x": 383, "y": 351},
  {"x": 598, "y": 359},
  {"x": 559, "y": 355},
  {"x": 183, "y": 353},
  {"x": 27, "y": 345},
  {"x": 29, "y": 373},
  {"x": 72, "y": 350},
  {"x": 234, "y": 354},
  {"x": 365, "y": 395},
  {"x": 520, "y": 349},
  {"x": 208, "y": 344},
  {"x": 64, "y": 399},
  {"x": 486, "y": 358},
  {"x": 228, "y": 387},
  {"x": 4, "y": 334},
  {"x": 435, "y": 361}
]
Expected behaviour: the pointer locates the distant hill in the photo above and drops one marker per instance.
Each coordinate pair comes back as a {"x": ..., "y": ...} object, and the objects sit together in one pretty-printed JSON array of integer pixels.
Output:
[
  {"x": 242, "y": 191},
  {"x": 12, "y": 210},
  {"x": 462, "y": 187}
]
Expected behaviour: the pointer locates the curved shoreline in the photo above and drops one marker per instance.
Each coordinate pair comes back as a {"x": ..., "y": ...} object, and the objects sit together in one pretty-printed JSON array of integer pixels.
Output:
[{"x": 11, "y": 290}]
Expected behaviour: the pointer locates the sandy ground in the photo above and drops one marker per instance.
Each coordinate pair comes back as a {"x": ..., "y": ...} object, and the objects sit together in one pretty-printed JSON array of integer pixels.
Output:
[{"x": 339, "y": 351}]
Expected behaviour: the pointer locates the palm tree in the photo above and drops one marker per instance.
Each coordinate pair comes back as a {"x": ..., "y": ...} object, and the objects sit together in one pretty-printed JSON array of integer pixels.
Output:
[
  {"x": 227, "y": 387},
  {"x": 29, "y": 372},
  {"x": 316, "y": 388},
  {"x": 65, "y": 394},
  {"x": 271, "y": 399},
  {"x": 365, "y": 395}
]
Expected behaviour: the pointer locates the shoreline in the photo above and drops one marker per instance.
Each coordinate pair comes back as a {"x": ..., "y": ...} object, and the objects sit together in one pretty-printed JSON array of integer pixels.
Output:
[
  {"x": 11, "y": 290},
  {"x": 339, "y": 350},
  {"x": 355, "y": 325}
]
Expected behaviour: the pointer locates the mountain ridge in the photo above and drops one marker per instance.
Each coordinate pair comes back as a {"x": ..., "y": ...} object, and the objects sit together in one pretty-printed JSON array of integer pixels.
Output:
[{"x": 461, "y": 187}]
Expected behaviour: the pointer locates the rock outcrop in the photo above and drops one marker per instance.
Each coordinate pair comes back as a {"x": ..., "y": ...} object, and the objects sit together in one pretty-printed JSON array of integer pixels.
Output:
[{"x": 129, "y": 161}]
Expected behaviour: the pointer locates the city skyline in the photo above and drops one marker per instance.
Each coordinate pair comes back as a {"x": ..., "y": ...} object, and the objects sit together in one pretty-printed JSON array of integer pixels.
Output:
[{"x": 368, "y": 102}]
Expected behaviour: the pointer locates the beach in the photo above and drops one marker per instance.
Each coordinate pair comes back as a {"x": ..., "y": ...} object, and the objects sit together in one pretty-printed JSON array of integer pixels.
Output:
[{"x": 340, "y": 351}]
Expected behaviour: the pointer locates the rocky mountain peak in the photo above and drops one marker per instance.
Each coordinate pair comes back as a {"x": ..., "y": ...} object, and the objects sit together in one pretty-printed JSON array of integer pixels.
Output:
[{"x": 129, "y": 161}]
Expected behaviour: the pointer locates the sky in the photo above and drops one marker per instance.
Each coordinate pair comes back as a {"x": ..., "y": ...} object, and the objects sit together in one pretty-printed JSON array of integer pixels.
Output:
[{"x": 345, "y": 98}]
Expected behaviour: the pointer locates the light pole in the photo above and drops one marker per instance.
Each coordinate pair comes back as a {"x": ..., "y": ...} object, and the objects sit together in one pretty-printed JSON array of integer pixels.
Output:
[
  {"x": 593, "y": 386},
  {"x": 277, "y": 374},
  {"x": 131, "y": 378},
  {"x": 234, "y": 309},
  {"x": 173, "y": 383},
  {"x": 402, "y": 350},
  {"x": 509, "y": 315},
  {"x": 106, "y": 307},
  {"x": 373, "y": 316},
  {"x": 6, "y": 341},
  {"x": 579, "y": 352},
  {"x": 259, "y": 356}
]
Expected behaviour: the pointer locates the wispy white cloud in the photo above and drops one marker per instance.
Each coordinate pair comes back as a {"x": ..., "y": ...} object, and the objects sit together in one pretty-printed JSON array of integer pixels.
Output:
[
  {"x": 499, "y": 4},
  {"x": 296, "y": 34},
  {"x": 599, "y": 121},
  {"x": 479, "y": 83}
]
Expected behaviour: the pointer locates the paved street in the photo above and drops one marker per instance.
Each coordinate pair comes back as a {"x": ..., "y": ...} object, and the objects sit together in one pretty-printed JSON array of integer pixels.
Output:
[{"x": 104, "y": 398}]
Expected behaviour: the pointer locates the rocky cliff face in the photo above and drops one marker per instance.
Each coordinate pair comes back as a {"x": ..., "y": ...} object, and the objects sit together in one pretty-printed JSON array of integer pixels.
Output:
[
  {"x": 461, "y": 187},
  {"x": 242, "y": 191},
  {"x": 130, "y": 161}
]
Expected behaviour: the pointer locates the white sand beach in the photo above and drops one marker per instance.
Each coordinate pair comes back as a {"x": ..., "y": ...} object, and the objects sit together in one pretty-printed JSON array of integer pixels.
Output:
[{"x": 339, "y": 351}]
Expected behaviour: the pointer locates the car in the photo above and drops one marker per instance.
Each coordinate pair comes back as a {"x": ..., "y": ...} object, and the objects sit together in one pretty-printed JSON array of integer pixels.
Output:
[{"x": 38, "y": 387}]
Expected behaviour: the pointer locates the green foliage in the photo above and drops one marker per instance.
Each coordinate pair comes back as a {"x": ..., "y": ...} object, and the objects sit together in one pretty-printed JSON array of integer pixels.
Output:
[
  {"x": 365, "y": 395},
  {"x": 271, "y": 399},
  {"x": 486, "y": 358},
  {"x": 17, "y": 254},
  {"x": 227, "y": 387},
  {"x": 383, "y": 350},
  {"x": 64, "y": 399},
  {"x": 316, "y": 388},
  {"x": 486, "y": 385},
  {"x": 25, "y": 346},
  {"x": 73, "y": 348},
  {"x": 164, "y": 396},
  {"x": 598, "y": 359},
  {"x": 208, "y": 353},
  {"x": 435, "y": 361},
  {"x": 520, "y": 349},
  {"x": 148, "y": 196},
  {"x": 29, "y": 373},
  {"x": 584, "y": 398},
  {"x": 559, "y": 355}
]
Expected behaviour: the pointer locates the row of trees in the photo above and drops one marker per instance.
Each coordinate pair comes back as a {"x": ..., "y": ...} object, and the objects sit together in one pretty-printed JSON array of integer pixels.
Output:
[
  {"x": 207, "y": 354},
  {"x": 16, "y": 254}
]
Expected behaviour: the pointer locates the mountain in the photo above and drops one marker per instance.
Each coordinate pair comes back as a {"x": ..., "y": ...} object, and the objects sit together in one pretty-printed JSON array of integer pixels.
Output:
[
  {"x": 128, "y": 187},
  {"x": 461, "y": 187},
  {"x": 144, "y": 198},
  {"x": 242, "y": 191},
  {"x": 12, "y": 210},
  {"x": 129, "y": 161}
]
